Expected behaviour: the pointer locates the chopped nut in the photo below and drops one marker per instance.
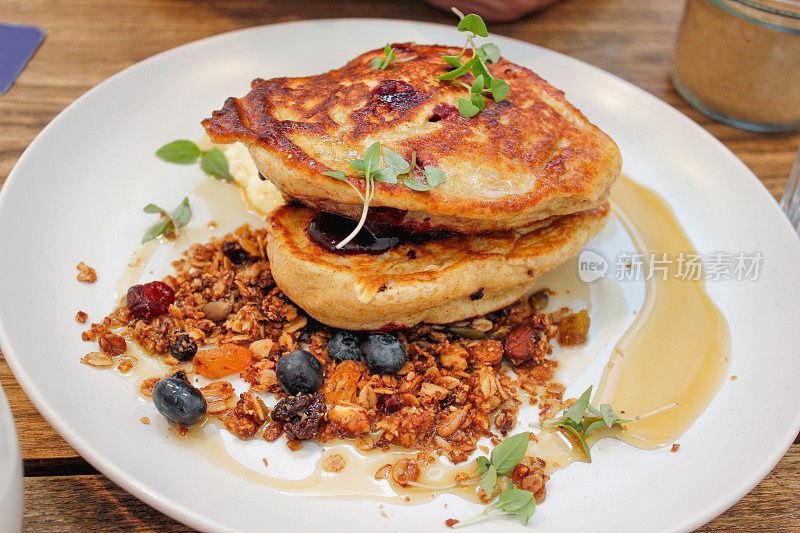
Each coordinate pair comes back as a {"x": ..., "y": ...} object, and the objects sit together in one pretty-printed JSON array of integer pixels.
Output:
[
  {"x": 86, "y": 273},
  {"x": 333, "y": 462},
  {"x": 405, "y": 470},
  {"x": 97, "y": 359},
  {"x": 112, "y": 344},
  {"x": 352, "y": 420},
  {"x": 216, "y": 311},
  {"x": 125, "y": 363}
]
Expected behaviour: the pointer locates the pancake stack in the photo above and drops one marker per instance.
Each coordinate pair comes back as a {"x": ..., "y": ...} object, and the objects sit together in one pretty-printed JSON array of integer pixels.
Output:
[{"x": 526, "y": 185}]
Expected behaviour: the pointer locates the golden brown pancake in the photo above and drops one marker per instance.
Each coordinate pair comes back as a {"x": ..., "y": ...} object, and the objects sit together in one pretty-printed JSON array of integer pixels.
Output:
[
  {"x": 439, "y": 281},
  {"x": 526, "y": 158}
]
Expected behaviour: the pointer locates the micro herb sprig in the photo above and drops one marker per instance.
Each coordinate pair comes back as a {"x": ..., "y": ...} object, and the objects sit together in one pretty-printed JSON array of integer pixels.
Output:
[
  {"x": 184, "y": 152},
  {"x": 514, "y": 502},
  {"x": 484, "y": 82},
  {"x": 578, "y": 424},
  {"x": 396, "y": 170},
  {"x": 504, "y": 458},
  {"x": 169, "y": 222},
  {"x": 380, "y": 63}
]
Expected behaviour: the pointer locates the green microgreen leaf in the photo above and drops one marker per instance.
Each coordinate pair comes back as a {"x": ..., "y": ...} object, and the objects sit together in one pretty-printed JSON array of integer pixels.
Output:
[
  {"x": 474, "y": 24},
  {"x": 159, "y": 228},
  {"x": 608, "y": 414},
  {"x": 372, "y": 158},
  {"x": 518, "y": 502},
  {"x": 483, "y": 465},
  {"x": 170, "y": 222},
  {"x": 395, "y": 161},
  {"x": 386, "y": 175},
  {"x": 479, "y": 69},
  {"x": 577, "y": 410},
  {"x": 434, "y": 175},
  {"x": 489, "y": 480},
  {"x": 215, "y": 164},
  {"x": 477, "y": 85},
  {"x": 357, "y": 164},
  {"x": 466, "y": 108},
  {"x": 182, "y": 152},
  {"x": 596, "y": 424},
  {"x": 491, "y": 52},
  {"x": 153, "y": 208},
  {"x": 500, "y": 89},
  {"x": 484, "y": 81},
  {"x": 416, "y": 185},
  {"x": 576, "y": 431},
  {"x": 453, "y": 61},
  {"x": 381, "y": 63},
  {"x": 338, "y": 174},
  {"x": 478, "y": 101},
  {"x": 510, "y": 452},
  {"x": 458, "y": 72},
  {"x": 183, "y": 213}
]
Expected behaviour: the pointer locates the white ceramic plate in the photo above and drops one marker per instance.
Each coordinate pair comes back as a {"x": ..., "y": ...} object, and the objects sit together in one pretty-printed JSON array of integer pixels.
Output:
[
  {"x": 77, "y": 193},
  {"x": 10, "y": 471}
]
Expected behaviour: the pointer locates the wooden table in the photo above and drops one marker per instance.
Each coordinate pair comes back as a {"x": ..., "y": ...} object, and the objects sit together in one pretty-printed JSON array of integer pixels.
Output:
[{"x": 89, "y": 40}]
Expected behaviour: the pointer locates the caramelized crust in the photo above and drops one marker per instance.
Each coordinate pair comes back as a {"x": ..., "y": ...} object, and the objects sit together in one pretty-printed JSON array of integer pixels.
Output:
[{"x": 524, "y": 159}]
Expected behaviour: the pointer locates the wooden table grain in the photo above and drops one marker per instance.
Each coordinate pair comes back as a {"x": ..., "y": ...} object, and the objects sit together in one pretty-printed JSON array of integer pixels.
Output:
[{"x": 89, "y": 40}]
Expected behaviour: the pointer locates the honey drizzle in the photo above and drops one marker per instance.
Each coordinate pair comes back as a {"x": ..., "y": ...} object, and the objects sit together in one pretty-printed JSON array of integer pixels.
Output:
[{"x": 678, "y": 348}]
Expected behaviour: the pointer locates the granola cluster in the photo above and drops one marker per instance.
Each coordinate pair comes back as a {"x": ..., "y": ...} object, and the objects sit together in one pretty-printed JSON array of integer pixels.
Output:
[{"x": 456, "y": 386}]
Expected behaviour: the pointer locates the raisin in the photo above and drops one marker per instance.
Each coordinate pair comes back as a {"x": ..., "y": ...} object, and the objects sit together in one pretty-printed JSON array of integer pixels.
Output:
[
  {"x": 180, "y": 374},
  {"x": 149, "y": 300},
  {"x": 183, "y": 347},
  {"x": 301, "y": 415},
  {"x": 234, "y": 252}
]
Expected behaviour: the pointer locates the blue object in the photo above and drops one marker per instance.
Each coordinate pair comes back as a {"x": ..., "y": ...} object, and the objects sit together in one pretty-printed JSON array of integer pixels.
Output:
[{"x": 18, "y": 43}]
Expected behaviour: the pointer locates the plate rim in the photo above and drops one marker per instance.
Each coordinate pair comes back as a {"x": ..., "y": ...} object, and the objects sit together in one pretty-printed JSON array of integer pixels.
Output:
[{"x": 203, "y": 522}]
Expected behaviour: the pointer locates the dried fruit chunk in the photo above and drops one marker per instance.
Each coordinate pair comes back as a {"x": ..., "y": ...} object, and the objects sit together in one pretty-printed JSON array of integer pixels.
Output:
[
  {"x": 222, "y": 361},
  {"x": 574, "y": 328},
  {"x": 149, "y": 300},
  {"x": 301, "y": 415}
]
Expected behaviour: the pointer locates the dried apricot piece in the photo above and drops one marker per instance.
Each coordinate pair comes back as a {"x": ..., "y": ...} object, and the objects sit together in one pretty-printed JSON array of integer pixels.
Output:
[{"x": 222, "y": 361}]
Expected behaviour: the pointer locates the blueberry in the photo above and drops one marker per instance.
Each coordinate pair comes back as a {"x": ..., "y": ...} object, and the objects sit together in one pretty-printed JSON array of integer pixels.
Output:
[
  {"x": 383, "y": 353},
  {"x": 177, "y": 400},
  {"x": 298, "y": 372},
  {"x": 183, "y": 347},
  {"x": 345, "y": 346}
]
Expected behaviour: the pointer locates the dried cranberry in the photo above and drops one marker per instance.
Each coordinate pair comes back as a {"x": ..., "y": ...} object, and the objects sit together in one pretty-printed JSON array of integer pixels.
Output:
[
  {"x": 392, "y": 403},
  {"x": 149, "y": 300},
  {"x": 234, "y": 251}
]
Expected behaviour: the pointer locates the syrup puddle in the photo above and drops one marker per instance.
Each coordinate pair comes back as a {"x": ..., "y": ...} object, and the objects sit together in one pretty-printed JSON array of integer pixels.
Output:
[
  {"x": 678, "y": 348},
  {"x": 675, "y": 349}
]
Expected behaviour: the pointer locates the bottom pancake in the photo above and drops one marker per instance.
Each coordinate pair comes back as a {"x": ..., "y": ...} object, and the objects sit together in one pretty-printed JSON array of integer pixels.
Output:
[{"x": 438, "y": 281}]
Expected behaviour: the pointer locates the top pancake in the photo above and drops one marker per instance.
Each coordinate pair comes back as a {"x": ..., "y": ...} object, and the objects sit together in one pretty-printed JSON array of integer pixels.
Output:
[{"x": 524, "y": 159}]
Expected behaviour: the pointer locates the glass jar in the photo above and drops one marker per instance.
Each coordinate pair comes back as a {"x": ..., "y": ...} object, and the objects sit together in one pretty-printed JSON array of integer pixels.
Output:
[{"x": 738, "y": 61}]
